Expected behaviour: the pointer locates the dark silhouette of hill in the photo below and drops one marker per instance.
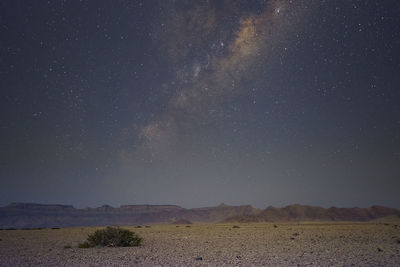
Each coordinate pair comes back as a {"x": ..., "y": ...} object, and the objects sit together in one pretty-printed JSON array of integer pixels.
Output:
[
  {"x": 181, "y": 221},
  {"x": 30, "y": 215}
]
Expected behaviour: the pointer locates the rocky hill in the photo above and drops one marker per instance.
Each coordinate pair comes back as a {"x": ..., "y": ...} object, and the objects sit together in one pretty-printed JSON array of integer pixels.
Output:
[{"x": 310, "y": 213}]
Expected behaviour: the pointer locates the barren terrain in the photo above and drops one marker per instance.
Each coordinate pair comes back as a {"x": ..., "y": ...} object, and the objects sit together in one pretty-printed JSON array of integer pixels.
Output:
[{"x": 287, "y": 244}]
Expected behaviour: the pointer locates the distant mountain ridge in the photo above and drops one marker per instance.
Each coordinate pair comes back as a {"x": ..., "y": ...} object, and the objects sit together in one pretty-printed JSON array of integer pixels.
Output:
[{"x": 31, "y": 215}]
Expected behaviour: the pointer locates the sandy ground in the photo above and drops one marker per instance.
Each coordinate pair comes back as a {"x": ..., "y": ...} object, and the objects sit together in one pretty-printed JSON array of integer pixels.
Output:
[{"x": 287, "y": 244}]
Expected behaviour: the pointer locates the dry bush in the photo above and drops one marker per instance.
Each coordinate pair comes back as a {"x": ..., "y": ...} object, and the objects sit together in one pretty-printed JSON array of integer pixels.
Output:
[{"x": 112, "y": 237}]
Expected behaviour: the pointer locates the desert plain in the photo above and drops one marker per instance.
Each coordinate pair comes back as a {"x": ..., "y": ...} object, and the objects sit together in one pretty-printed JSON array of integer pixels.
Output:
[{"x": 244, "y": 244}]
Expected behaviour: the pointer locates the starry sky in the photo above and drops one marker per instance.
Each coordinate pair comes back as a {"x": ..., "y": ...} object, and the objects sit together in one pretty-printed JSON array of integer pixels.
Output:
[{"x": 196, "y": 103}]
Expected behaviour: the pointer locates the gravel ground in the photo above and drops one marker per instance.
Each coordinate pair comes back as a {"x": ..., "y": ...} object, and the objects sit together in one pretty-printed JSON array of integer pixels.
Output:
[{"x": 284, "y": 244}]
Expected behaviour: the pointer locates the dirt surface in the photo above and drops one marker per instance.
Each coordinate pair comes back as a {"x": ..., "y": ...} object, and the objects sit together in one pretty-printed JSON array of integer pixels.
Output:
[{"x": 284, "y": 244}]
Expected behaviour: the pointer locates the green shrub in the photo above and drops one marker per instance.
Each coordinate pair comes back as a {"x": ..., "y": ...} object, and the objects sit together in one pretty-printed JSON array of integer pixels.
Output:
[
  {"x": 235, "y": 226},
  {"x": 112, "y": 237}
]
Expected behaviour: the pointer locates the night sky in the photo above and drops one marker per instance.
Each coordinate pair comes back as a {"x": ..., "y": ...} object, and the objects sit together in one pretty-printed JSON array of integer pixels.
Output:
[{"x": 196, "y": 103}]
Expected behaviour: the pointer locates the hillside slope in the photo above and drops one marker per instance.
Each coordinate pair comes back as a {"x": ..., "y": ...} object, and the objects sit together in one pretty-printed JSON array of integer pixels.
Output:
[{"x": 298, "y": 212}]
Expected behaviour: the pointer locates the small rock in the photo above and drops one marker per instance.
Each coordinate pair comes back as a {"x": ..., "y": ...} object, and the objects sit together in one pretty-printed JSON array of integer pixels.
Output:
[
  {"x": 292, "y": 238},
  {"x": 398, "y": 241},
  {"x": 295, "y": 234},
  {"x": 199, "y": 258},
  {"x": 275, "y": 226},
  {"x": 380, "y": 250},
  {"x": 238, "y": 257}
]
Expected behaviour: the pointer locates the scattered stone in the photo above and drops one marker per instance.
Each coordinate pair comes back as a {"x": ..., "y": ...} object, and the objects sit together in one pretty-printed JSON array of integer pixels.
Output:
[
  {"x": 168, "y": 246},
  {"x": 275, "y": 226}
]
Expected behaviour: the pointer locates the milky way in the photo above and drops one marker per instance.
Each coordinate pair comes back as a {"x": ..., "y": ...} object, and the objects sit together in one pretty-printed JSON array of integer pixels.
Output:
[{"x": 211, "y": 58}]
